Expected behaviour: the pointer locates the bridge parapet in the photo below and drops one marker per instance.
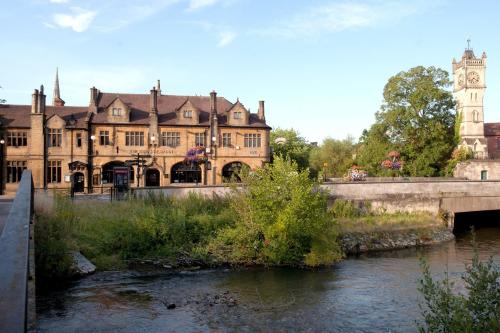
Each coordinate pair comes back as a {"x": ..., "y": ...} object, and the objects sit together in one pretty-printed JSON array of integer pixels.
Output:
[{"x": 17, "y": 308}]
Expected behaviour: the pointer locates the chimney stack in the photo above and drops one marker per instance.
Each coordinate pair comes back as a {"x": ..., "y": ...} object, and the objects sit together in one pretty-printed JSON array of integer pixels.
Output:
[
  {"x": 261, "y": 113},
  {"x": 34, "y": 101},
  {"x": 213, "y": 102},
  {"x": 158, "y": 87},
  {"x": 153, "y": 100},
  {"x": 41, "y": 101}
]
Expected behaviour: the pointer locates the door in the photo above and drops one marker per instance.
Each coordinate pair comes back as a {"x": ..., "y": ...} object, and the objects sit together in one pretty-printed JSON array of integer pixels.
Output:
[
  {"x": 78, "y": 182},
  {"x": 152, "y": 177}
]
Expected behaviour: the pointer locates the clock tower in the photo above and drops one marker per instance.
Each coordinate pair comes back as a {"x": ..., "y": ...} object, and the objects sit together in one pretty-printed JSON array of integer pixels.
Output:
[{"x": 468, "y": 89}]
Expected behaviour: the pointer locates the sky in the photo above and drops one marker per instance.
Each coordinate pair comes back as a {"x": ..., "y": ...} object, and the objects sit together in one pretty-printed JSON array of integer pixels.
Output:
[{"x": 320, "y": 65}]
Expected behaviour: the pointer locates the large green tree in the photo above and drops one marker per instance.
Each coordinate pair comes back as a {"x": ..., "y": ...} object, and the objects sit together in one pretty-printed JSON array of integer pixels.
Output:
[
  {"x": 288, "y": 144},
  {"x": 334, "y": 157},
  {"x": 416, "y": 119}
]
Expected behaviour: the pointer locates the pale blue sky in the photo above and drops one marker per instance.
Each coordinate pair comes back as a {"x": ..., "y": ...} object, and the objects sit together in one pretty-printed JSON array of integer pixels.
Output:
[{"x": 320, "y": 65}]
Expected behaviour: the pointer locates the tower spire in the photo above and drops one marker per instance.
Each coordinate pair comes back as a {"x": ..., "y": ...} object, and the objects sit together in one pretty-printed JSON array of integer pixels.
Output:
[{"x": 56, "y": 98}]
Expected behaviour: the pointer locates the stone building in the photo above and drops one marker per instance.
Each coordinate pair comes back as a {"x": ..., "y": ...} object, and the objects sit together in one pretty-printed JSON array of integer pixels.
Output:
[
  {"x": 482, "y": 139},
  {"x": 147, "y": 134}
]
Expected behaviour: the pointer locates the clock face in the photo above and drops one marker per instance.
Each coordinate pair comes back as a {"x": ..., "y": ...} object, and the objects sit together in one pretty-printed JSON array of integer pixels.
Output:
[
  {"x": 461, "y": 80},
  {"x": 473, "y": 77}
]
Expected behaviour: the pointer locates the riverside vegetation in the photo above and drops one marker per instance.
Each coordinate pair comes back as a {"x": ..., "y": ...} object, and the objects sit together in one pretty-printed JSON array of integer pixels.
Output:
[{"x": 279, "y": 218}]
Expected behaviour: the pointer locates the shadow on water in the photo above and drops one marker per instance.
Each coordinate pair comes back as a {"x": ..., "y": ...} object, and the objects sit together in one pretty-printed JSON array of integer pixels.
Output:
[{"x": 480, "y": 219}]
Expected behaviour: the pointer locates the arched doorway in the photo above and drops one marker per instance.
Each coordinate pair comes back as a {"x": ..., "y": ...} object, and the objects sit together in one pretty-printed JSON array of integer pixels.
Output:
[
  {"x": 231, "y": 172},
  {"x": 185, "y": 173},
  {"x": 78, "y": 182},
  {"x": 107, "y": 172},
  {"x": 152, "y": 177}
]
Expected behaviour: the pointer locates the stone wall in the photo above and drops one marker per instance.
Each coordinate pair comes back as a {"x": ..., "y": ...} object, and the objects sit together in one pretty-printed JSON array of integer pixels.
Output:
[{"x": 472, "y": 169}]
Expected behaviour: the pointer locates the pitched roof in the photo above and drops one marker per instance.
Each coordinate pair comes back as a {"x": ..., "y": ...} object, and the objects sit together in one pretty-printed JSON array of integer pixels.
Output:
[
  {"x": 492, "y": 129},
  {"x": 19, "y": 115}
]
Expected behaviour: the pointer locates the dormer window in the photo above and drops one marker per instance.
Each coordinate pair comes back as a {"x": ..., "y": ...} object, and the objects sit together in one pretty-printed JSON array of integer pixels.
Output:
[
  {"x": 117, "y": 112},
  {"x": 188, "y": 114},
  {"x": 237, "y": 115}
]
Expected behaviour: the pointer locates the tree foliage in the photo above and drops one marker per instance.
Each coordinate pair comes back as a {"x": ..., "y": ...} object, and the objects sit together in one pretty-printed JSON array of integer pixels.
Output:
[
  {"x": 337, "y": 154},
  {"x": 476, "y": 311},
  {"x": 293, "y": 147},
  {"x": 415, "y": 119},
  {"x": 282, "y": 220}
]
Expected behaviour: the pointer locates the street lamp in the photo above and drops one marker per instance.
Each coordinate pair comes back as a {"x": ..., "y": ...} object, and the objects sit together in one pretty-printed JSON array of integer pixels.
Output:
[
  {"x": 91, "y": 163},
  {"x": 2, "y": 142}
]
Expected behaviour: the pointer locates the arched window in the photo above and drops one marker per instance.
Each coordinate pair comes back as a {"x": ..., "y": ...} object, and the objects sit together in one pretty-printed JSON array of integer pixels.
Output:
[{"x": 475, "y": 116}]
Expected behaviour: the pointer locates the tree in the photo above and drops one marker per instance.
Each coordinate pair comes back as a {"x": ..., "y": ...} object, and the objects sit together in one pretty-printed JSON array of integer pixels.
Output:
[
  {"x": 415, "y": 119},
  {"x": 337, "y": 154},
  {"x": 282, "y": 219},
  {"x": 290, "y": 145}
]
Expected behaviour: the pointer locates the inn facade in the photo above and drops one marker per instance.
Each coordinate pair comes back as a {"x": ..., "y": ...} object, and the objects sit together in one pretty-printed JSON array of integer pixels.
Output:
[{"x": 147, "y": 135}]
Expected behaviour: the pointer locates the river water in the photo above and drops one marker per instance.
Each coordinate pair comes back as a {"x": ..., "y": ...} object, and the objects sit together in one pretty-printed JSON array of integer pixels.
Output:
[{"x": 369, "y": 293}]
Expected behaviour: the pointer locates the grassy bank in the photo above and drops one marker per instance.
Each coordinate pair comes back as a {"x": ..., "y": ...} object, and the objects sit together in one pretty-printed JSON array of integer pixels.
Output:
[{"x": 278, "y": 219}]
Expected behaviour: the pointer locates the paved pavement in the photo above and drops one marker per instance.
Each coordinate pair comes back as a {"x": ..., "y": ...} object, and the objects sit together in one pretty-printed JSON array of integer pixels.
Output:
[{"x": 4, "y": 212}]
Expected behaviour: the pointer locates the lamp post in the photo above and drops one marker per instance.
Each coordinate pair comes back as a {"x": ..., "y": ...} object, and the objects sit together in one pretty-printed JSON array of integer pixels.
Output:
[
  {"x": 91, "y": 163},
  {"x": 325, "y": 165},
  {"x": 2, "y": 145}
]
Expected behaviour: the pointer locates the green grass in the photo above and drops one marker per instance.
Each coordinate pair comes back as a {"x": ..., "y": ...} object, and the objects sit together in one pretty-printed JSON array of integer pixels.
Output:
[{"x": 112, "y": 233}]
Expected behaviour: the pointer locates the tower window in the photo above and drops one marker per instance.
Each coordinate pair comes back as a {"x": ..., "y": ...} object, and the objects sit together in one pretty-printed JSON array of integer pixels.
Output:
[{"x": 475, "y": 116}]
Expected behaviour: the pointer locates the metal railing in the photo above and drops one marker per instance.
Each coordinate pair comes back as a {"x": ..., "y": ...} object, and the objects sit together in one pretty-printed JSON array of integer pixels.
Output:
[{"x": 17, "y": 274}]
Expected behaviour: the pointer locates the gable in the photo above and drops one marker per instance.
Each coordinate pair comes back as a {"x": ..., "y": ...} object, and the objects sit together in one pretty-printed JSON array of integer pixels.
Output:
[
  {"x": 238, "y": 115},
  {"x": 118, "y": 112},
  {"x": 55, "y": 121},
  {"x": 188, "y": 114}
]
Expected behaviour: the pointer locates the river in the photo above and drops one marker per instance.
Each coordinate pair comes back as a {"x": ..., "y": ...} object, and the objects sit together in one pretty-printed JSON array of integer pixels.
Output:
[{"x": 371, "y": 293}]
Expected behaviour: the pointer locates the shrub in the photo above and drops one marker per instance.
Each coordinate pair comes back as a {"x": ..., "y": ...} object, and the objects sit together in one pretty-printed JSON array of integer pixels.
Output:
[
  {"x": 282, "y": 219},
  {"x": 476, "y": 311}
]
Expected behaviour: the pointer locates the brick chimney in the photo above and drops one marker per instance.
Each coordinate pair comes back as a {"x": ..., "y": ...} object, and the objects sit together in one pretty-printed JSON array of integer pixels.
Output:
[
  {"x": 94, "y": 93},
  {"x": 34, "y": 101},
  {"x": 153, "y": 100},
  {"x": 213, "y": 102},
  {"x": 261, "y": 113}
]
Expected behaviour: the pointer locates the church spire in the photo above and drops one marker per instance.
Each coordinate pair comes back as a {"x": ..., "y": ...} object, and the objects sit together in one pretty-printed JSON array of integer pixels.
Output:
[{"x": 56, "y": 98}]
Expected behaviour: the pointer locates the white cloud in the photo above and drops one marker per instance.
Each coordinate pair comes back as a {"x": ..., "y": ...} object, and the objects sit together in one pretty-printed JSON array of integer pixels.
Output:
[
  {"x": 59, "y": 1},
  {"x": 338, "y": 16},
  {"x": 79, "y": 20},
  {"x": 226, "y": 38},
  {"x": 197, "y": 4}
]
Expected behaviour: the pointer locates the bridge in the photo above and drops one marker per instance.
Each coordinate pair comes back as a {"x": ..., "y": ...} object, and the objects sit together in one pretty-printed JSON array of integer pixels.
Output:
[
  {"x": 436, "y": 196},
  {"x": 433, "y": 195},
  {"x": 17, "y": 264}
]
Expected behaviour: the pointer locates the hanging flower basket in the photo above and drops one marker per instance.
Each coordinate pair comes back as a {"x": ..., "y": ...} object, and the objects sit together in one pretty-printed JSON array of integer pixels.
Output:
[
  {"x": 196, "y": 154},
  {"x": 394, "y": 154}
]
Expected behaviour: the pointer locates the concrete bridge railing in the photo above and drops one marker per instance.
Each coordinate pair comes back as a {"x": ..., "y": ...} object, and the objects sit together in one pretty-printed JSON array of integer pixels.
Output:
[{"x": 17, "y": 269}]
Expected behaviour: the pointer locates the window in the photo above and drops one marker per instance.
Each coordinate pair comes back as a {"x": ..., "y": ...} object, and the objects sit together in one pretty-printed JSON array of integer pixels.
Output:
[
  {"x": 237, "y": 115},
  {"x": 226, "y": 139},
  {"x": 188, "y": 114},
  {"x": 134, "y": 138},
  {"x": 117, "y": 111},
  {"x": 54, "y": 171},
  {"x": 199, "y": 139},
  {"x": 484, "y": 175},
  {"x": 78, "y": 139},
  {"x": 104, "y": 138},
  {"x": 17, "y": 139},
  {"x": 55, "y": 137},
  {"x": 170, "y": 139},
  {"x": 15, "y": 171},
  {"x": 475, "y": 116},
  {"x": 252, "y": 140}
]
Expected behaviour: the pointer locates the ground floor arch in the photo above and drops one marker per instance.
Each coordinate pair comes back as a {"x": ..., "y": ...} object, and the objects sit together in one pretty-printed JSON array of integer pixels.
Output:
[
  {"x": 231, "y": 172},
  {"x": 107, "y": 172},
  {"x": 185, "y": 173},
  {"x": 152, "y": 177},
  {"x": 78, "y": 182}
]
